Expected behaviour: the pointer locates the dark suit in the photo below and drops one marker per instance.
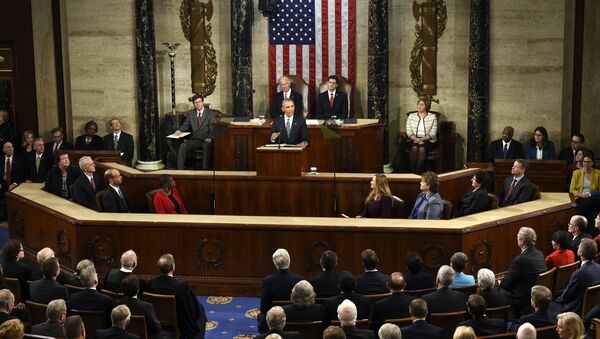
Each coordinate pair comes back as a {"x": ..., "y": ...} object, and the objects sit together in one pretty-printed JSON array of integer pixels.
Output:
[
  {"x": 567, "y": 154},
  {"x": 530, "y": 151},
  {"x": 21, "y": 271},
  {"x": 196, "y": 140},
  {"x": 445, "y": 300},
  {"x": 191, "y": 317},
  {"x": 298, "y": 131},
  {"x": 278, "y": 99},
  {"x": 325, "y": 284},
  {"x": 114, "y": 333},
  {"x": 494, "y": 297},
  {"x": 339, "y": 109},
  {"x": 17, "y": 171},
  {"x": 37, "y": 175},
  {"x": 331, "y": 304},
  {"x": 392, "y": 307},
  {"x": 5, "y": 317},
  {"x": 539, "y": 318},
  {"x": 473, "y": 202},
  {"x": 138, "y": 307},
  {"x": 521, "y": 276},
  {"x": 420, "y": 329},
  {"x": 496, "y": 151},
  {"x": 45, "y": 290},
  {"x": 96, "y": 144},
  {"x": 576, "y": 241},
  {"x": 352, "y": 332},
  {"x": 92, "y": 300},
  {"x": 277, "y": 286},
  {"x": 419, "y": 281},
  {"x": 113, "y": 203},
  {"x": 113, "y": 279},
  {"x": 372, "y": 283},
  {"x": 522, "y": 192},
  {"x": 284, "y": 335},
  {"x": 295, "y": 312},
  {"x": 54, "y": 180},
  {"x": 485, "y": 325},
  {"x": 49, "y": 328},
  {"x": 84, "y": 193},
  {"x": 125, "y": 145},
  {"x": 49, "y": 147},
  {"x": 571, "y": 300}
]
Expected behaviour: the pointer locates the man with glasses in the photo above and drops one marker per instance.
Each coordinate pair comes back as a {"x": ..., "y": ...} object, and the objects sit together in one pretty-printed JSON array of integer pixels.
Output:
[{"x": 568, "y": 153}]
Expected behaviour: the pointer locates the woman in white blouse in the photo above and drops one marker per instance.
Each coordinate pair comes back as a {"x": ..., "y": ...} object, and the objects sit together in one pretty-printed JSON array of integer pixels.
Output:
[{"x": 421, "y": 128}]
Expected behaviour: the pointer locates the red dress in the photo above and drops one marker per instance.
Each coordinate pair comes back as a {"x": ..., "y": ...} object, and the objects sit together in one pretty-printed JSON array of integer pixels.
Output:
[
  {"x": 560, "y": 257},
  {"x": 164, "y": 205}
]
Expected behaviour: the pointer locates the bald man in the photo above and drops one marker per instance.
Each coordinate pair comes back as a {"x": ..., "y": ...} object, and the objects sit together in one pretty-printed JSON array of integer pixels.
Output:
[
  {"x": 112, "y": 282},
  {"x": 393, "y": 307}
]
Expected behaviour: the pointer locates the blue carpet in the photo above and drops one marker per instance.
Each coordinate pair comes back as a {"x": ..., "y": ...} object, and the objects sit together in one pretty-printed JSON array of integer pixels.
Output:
[{"x": 230, "y": 317}]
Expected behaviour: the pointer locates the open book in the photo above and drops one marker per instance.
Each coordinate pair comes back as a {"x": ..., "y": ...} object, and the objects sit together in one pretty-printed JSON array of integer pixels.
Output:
[{"x": 181, "y": 135}]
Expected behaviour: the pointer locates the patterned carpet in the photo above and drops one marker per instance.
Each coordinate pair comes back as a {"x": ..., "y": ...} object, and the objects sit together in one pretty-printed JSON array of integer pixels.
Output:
[{"x": 230, "y": 317}]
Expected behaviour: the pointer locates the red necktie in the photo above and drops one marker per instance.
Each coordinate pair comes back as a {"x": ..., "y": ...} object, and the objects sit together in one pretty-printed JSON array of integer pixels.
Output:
[
  {"x": 331, "y": 99},
  {"x": 8, "y": 174}
]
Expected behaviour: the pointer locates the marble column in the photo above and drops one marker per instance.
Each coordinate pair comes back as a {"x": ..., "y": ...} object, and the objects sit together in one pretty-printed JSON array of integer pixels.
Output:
[
  {"x": 241, "y": 56},
  {"x": 377, "y": 105},
  {"x": 148, "y": 114},
  {"x": 479, "y": 80}
]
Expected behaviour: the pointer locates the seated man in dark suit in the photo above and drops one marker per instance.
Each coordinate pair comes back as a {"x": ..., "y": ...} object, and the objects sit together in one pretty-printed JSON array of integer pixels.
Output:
[
  {"x": 481, "y": 323},
  {"x": 47, "y": 289},
  {"x": 58, "y": 143},
  {"x": 445, "y": 299},
  {"x": 289, "y": 129},
  {"x": 494, "y": 296},
  {"x": 190, "y": 313},
  {"x": 286, "y": 93},
  {"x": 198, "y": 122},
  {"x": 276, "y": 286},
  {"x": 119, "y": 141},
  {"x": 74, "y": 327},
  {"x": 346, "y": 285},
  {"x": 36, "y": 270},
  {"x": 303, "y": 307},
  {"x": 38, "y": 162},
  {"x": 393, "y": 307},
  {"x": 516, "y": 188},
  {"x": 568, "y": 153},
  {"x": 276, "y": 321},
  {"x": 113, "y": 279},
  {"x": 115, "y": 199},
  {"x": 12, "y": 168},
  {"x": 88, "y": 184},
  {"x": 577, "y": 227},
  {"x": 90, "y": 299},
  {"x": 332, "y": 101},
  {"x": 130, "y": 286},
  {"x": 14, "y": 267},
  {"x": 7, "y": 304},
  {"x": 372, "y": 281},
  {"x": 347, "y": 314},
  {"x": 56, "y": 312},
  {"x": 416, "y": 278},
  {"x": 505, "y": 147},
  {"x": 120, "y": 317},
  {"x": 326, "y": 283},
  {"x": 523, "y": 272},
  {"x": 419, "y": 328},
  {"x": 541, "y": 297}
]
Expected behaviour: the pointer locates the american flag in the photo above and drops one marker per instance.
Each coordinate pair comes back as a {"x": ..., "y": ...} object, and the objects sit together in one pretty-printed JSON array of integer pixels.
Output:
[{"x": 314, "y": 39}]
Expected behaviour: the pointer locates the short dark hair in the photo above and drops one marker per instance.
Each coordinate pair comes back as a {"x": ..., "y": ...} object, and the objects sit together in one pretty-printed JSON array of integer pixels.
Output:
[
  {"x": 329, "y": 260},
  {"x": 482, "y": 176},
  {"x": 476, "y": 305},
  {"x": 523, "y": 163},
  {"x": 73, "y": 326},
  {"x": 414, "y": 262},
  {"x": 91, "y": 123},
  {"x": 346, "y": 282},
  {"x": 459, "y": 261},
  {"x": 164, "y": 178},
  {"x": 130, "y": 285},
  {"x": 49, "y": 267},
  {"x": 580, "y": 136},
  {"x": 11, "y": 250},
  {"x": 431, "y": 178},
  {"x": 334, "y": 77},
  {"x": 562, "y": 238},
  {"x": 369, "y": 259},
  {"x": 196, "y": 97},
  {"x": 418, "y": 308},
  {"x": 57, "y": 129}
]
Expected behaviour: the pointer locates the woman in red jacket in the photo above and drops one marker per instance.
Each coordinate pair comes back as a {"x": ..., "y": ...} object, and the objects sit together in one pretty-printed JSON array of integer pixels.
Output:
[
  {"x": 168, "y": 200},
  {"x": 562, "y": 255}
]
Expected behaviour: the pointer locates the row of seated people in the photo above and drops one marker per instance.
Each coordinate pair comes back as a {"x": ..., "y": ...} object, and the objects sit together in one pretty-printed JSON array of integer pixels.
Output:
[
  {"x": 528, "y": 302},
  {"x": 44, "y": 283}
]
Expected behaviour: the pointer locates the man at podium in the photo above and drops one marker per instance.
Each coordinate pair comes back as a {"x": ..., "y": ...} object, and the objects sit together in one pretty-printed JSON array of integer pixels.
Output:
[{"x": 289, "y": 129}]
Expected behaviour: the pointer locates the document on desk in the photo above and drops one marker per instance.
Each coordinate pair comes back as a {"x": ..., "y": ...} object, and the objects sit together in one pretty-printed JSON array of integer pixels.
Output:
[
  {"x": 181, "y": 135},
  {"x": 282, "y": 145}
]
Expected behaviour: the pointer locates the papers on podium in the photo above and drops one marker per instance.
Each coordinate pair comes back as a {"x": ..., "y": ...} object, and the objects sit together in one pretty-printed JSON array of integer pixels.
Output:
[
  {"x": 282, "y": 145},
  {"x": 181, "y": 135}
]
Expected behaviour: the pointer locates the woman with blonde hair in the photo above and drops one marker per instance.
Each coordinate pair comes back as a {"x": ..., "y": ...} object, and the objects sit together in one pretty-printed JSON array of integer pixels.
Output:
[
  {"x": 569, "y": 326},
  {"x": 27, "y": 142},
  {"x": 12, "y": 329},
  {"x": 464, "y": 332},
  {"x": 378, "y": 203}
]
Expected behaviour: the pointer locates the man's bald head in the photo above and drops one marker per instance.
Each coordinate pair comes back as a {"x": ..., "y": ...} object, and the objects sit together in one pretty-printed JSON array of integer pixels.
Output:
[
  {"x": 396, "y": 282},
  {"x": 44, "y": 254}
]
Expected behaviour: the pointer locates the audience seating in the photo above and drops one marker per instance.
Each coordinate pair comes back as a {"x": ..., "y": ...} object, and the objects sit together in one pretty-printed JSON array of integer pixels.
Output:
[
  {"x": 36, "y": 311},
  {"x": 93, "y": 320},
  {"x": 448, "y": 210},
  {"x": 419, "y": 293},
  {"x": 373, "y": 298},
  {"x": 535, "y": 193},
  {"x": 547, "y": 332},
  {"x": 137, "y": 326},
  {"x": 14, "y": 286},
  {"x": 74, "y": 289},
  {"x": 546, "y": 278},
  {"x": 596, "y": 325},
  {"x": 360, "y": 323},
  {"x": 400, "y": 322},
  {"x": 307, "y": 329},
  {"x": 563, "y": 275},
  {"x": 397, "y": 207},
  {"x": 165, "y": 308},
  {"x": 591, "y": 298},
  {"x": 493, "y": 201},
  {"x": 449, "y": 321},
  {"x": 500, "y": 312},
  {"x": 114, "y": 295},
  {"x": 467, "y": 290},
  {"x": 100, "y": 201},
  {"x": 150, "y": 199}
]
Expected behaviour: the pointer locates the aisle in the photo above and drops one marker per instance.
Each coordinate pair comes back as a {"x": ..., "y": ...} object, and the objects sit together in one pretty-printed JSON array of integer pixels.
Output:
[{"x": 230, "y": 317}]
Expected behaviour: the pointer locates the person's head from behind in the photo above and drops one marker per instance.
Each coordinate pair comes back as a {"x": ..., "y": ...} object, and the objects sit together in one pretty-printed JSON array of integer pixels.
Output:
[
  {"x": 88, "y": 277},
  {"x": 459, "y": 261},
  {"x": 347, "y": 312},
  {"x": 476, "y": 305},
  {"x": 396, "y": 282},
  {"x": 414, "y": 262},
  {"x": 369, "y": 259},
  {"x": 83, "y": 264},
  {"x": 328, "y": 260},
  {"x": 334, "y": 332},
  {"x": 281, "y": 259},
  {"x": 44, "y": 254},
  {"x": 587, "y": 249},
  {"x": 445, "y": 276},
  {"x": 526, "y": 238},
  {"x": 464, "y": 332},
  {"x": 129, "y": 260},
  {"x": 485, "y": 279},
  {"x": 418, "y": 308},
  {"x": 120, "y": 316},
  {"x": 389, "y": 331},
  {"x": 50, "y": 268},
  {"x": 561, "y": 240},
  {"x": 56, "y": 310},
  {"x": 569, "y": 326},
  {"x": 7, "y": 300},
  {"x": 526, "y": 331},
  {"x": 130, "y": 285},
  {"x": 346, "y": 282},
  {"x": 74, "y": 328},
  {"x": 12, "y": 329},
  {"x": 303, "y": 293},
  {"x": 541, "y": 297},
  {"x": 166, "y": 264},
  {"x": 276, "y": 318}
]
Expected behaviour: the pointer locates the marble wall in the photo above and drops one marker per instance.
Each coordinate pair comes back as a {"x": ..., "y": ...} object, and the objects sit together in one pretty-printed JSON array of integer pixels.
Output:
[{"x": 590, "y": 100}]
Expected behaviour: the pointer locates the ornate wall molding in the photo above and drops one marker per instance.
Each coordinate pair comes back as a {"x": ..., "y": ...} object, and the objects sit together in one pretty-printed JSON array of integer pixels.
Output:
[
  {"x": 241, "y": 153},
  {"x": 210, "y": 253},
  {"x": 102, "y": 250},
  {"x": 241, "y": 56},
  {"x": 480, "y": 254},
  {"x": 434, "y": 256},
  {"x": 63, "y": 246},
  {"x": 312, "y": 253}
]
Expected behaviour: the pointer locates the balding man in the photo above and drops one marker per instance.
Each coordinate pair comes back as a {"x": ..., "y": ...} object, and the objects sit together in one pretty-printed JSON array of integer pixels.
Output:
[
  {"x": 38, "y": 162},
  {"x": 88, "y": 184},
  {"x": 7, "y": 304},
  {"x": 286, "y": 93},
  {"x": 389, "y": 331},
  {"x": 577, "y": 226},
  {"x": 115, "y": 198},
  {"x": 12, "y": 168},
  {"x": 445, "y": 299},
  {"x": 276, "y": 322},
  {"x": 114, "y": 277},
  {"x": 347, "y": 314},
  {"x": 36, "y": 272},
  {"x": 526, "y": 331},
  {"x": 393, "y": 307}
]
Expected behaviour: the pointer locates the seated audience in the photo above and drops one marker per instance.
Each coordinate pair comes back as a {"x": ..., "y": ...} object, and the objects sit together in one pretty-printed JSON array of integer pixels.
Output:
[
  {"x": 303, "y": 307},
  {"x": 6, "y": 130},
  {"x": 276, "y": 321},
  {"x": 119, "y": 141},
  {"x": 74, "y": 328},
  {"x": 120, "y": 317},
  {"x": 371, "y": 281},
  {"x": 90, "y": 299},
  {"x": 577, "y": 226},
  {"x": 47, "y": 289},
  {"x": 481, "y": 323},
  {"x": 286, "y": 93},
  {"x": 37, "y": 162},
  {"x": 516, "y": 188},
  {"x": 523, "y": 272},
  {"x": 421, "y": 129},
  {"x": 58, "y": 143},
  {"x": 570, "y": 153},
  {"x": 464, "y": 332},
  {"x": 578, "y": 164},
  {"x": 526, "y": 331},
  {"x": 12, "y": 329},
  {"x": 389, "y": 331},
  {"x": 571, "y": 299},
  {"x": 419, "y": 328},
  {"x": 198, "y": 123},
  {"x": 326, "y": 283},
  {"x": 26, "y": 143},
  {"x": 76, "y": 281},
  {"x": 87, "y": 185},
  {"x": 541, "y": 297},
  {"x": 593, "y": 313},
  {"x": 36, "y": 269},
  {"x": 89, "y": 140},
  {"x": 505, "y": 147},
  {"x": 7, "y": 303},
  {"x": 458, "y": 262},
  {"x": 334, "y": 332},
  {"x": 539, "y": 147},
  {"x": 445, "y": 299},
  {"x": 191, "y": 317},
  {"x": 130, "y": 286},
  {"x": 168, "y": 200},
  {"x": 562, "y": 255},
  {"x": 393, "y": 307},
  {"x": 14, "y": 267},
  {"x": 114, "y": 277},
  {"x": 115, "y": 199},
  {"x": 585, "y": 188},
  {"x": 378, "y": 203},
  {"x": 428, "y": 204},
  {"x": 476, "y": 199},
  {"x": 570, "y": 326},
  {"x": 416, "y": 278},
  {"x": 12, "y": 168},
  {"x": 346, "y": 312},
  {"x": 494, "y": 296},
  {"x": 61, "y": 177},
  {"x": 56, "y": 312},
  {"x": 346, "y": 284}
]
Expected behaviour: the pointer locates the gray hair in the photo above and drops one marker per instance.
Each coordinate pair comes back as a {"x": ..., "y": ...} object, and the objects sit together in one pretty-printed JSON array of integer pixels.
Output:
[
  {"x": 526, "y": 331},
  {"x": 129, "y": 259},
  {"x": 347, "y": 313},
  {"x": 276, "y": 318},
  {"x": 541, "y": 296},
  {"x": 528, "y": 236},
  {"x": 486, "y": 278},
  {"x": 281, "y": 259},
  {"x": 55, "y": 309},
  {"x": 587, "y": 248},
  {"x": 84, "y": 263},
  {"x": 83, "y": 162},
  {"x": 88, "y": 276},
  {"x": 580, "y": 221},
  {"x": 6, "y": 298},
  {"x": 303, "y": 293},
  {"x": 389, "y": 331},
  {"x": 445, "y": 275},
  {"x": 120, "y": 315}
]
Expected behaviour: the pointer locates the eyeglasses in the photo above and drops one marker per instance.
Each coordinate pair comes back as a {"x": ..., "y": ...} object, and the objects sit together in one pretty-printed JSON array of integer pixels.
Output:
[
  {"x": 588, "y": 161},
  {"x": 538, "y": 135}
]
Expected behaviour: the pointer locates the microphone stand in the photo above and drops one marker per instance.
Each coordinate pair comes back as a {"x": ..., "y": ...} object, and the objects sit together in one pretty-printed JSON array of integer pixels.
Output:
[
  {"x": 212, "y": 195},
  {"x": 335, "y": 193}
]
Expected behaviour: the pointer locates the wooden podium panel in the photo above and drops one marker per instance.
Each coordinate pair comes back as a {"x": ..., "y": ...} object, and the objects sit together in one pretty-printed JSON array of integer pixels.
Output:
[
  {"x": 549, "y": 175},
  {"x": 280, "y": 162},
  {"x": 97, "y": 156}
]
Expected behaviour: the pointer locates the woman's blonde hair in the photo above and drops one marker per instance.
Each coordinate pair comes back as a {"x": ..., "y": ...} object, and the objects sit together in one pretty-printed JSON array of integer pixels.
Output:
[
  {"x": 464, "y": 332},
  {"x": 12, "y": 329},
  {"x": 573, "y": 324},
  {"x": 382, "y": 188}
]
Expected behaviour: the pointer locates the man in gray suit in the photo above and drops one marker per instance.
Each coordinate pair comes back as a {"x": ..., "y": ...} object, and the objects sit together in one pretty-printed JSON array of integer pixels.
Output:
[{"x": 197, "y": 121}]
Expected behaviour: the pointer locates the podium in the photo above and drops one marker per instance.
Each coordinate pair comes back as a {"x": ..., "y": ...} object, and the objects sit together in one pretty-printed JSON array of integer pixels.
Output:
[{"x": 281, "y": 162}]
